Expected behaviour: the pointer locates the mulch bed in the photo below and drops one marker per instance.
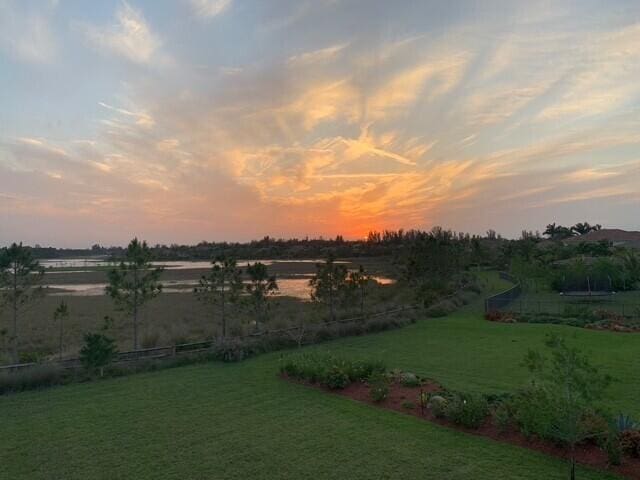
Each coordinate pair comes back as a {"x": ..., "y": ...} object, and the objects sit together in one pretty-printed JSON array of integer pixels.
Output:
[{"x": 399, "y": 395}]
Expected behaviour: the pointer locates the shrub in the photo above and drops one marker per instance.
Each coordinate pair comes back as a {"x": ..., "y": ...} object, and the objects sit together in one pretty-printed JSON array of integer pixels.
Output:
[
  {"x": 438, "y": 405},
  {"x": 329, "y": 370},
  {"x": 622, "y": 423},
  {"x": 578, "y": 311},
  {"x": 379, "y": 387},
  {"x": 502, "y": 317},
  {"x": 409, "y": 379},
  {"x": 98, "y": 352},
  {"x": 630, "y": 442},
  {"x": 408, "y": 405},
  {"x": 31, "y": 357},
  {"x": 503, "y": 416},
  {"x": 468, "y": 410},
  {"x": 231, "y": 350},
  {"x": 363, "y": 370},
  {"x": 38, "y": 376},
  {"x": 594, "y": 427},
  {"x": 336, "y": 378},
  {"x": 612, "y": 447}
]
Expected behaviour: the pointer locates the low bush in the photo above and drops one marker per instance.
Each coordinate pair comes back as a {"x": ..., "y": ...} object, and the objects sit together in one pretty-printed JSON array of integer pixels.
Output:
[
  {"x": 438, "y": 405},
  {"x": 612, "y": 448},
  {"x": 499, "y": 316},
  {"x": 623, "y": 422},
  {"x": 38, "y": 376},
  {"x": 468, "y": 410},
  {"x": 630, "y": 442},
  {"x": 503, "y": 416},
  {"x": 336, "y": 378},
  {"x": 378, "y": 387},
  {"x": 409, "y": 379},
  {"x": 595, "y": 427},
  {"x": 329, "y": 370}
]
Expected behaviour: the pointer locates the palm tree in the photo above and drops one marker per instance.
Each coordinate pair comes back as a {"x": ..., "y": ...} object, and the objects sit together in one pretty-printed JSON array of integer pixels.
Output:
[
  {"x": 583, "y": 228},
  {"x": 557, "y": 232}
]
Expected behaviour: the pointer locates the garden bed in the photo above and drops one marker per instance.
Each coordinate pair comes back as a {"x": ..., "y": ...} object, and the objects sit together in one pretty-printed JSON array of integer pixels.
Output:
[
  {"x": 407, "y": 400},
  {"x": 593, "y": 320}
]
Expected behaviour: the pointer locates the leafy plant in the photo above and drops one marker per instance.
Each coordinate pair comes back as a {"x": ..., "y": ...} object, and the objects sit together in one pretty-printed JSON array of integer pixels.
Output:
[
  {"x": 468, "y": 410},
  {"x": 97, "y": 352},
  {"x": 378, "y": 387},
  {"x": 565, "y": 388},
  {"x": 630, "y": 442},
  {"x": 409, "y": 379},
  {"x": 438, "y": 405},
  {"x": 622, "y": 423},
  {"x": 329, "y": 370},
  {"x": 503, "y": 416},
  {"x": 336, "y": 378}
]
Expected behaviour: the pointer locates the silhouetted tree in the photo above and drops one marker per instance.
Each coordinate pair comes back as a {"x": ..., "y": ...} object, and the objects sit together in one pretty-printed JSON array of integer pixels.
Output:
[
  {"x": 60, "y": 314},
  {"x": 557, "y": 232},
  {"x": 261, "y": 286},
  {"x": 221, "y": 286},
  {"x": 20, "y": 279},
  {"x": 583, "y": 228},
  {"x": 134, "y": 282},
  {"x": 329, "y": 284},
  {"x": 357, "y": 282}
]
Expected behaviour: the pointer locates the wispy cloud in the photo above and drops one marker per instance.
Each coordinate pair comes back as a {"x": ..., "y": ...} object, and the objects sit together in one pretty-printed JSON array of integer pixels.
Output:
[
  {"x": 330, "y": 124},
  {"x": 27, "y": 35},
  {"x": 208, "y": 9},
  {"x": 130, "y": 37}
]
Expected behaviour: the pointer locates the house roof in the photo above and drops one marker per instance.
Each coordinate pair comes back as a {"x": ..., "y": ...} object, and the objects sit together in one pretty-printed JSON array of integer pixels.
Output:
[{"x": 613, "y": 235}]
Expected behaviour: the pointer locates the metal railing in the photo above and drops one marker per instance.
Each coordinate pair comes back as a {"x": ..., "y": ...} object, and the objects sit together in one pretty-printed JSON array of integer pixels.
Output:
[{"x": 501, "y": 300}]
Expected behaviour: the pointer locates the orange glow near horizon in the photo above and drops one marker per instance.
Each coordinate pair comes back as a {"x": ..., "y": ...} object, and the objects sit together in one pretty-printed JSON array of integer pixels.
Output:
[{"x": 310, "y": 126}]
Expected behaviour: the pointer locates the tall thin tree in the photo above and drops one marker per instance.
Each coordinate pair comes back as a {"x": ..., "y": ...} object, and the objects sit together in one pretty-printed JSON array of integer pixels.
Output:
[
  {"x": 329, "y": 285},
  {"x": 357, "y": 282},
  {"x": 221, "y": 287},
  {"x": 134, "y": 282},
  {"x": 60, "y": 315},
  {"x": 20, "y": 282},
  {"x": 261, "y": 286}
]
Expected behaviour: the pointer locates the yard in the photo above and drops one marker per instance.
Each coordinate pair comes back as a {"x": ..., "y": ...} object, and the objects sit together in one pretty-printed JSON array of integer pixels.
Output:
[{"x": 241, "y": 421}]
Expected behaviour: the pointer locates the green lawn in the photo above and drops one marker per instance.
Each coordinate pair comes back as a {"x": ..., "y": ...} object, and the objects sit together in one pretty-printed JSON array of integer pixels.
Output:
[{"x": 240, "y": 421}]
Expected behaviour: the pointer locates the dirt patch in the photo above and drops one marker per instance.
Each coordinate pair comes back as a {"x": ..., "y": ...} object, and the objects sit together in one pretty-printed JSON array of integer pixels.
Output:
[{"x": 407, "y": 400}]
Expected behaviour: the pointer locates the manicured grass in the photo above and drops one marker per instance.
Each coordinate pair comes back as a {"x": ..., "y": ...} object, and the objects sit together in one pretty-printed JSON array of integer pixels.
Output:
[
  {"x": 241, "y": 421},
  {"x": 466, "y": 352},
  {"x": 238, "y": 421}
]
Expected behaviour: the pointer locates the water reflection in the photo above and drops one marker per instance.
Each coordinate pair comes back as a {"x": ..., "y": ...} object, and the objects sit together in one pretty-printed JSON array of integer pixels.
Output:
[{"x": 293, "y": 287}]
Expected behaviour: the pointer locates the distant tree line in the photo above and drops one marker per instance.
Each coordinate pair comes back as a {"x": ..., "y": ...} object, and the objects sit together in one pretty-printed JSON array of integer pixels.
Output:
[{"x": 375, "y": 244}]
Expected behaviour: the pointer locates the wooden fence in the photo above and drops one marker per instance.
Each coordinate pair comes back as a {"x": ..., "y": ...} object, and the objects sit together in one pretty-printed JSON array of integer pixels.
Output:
[{"x": 198, "y": 347}]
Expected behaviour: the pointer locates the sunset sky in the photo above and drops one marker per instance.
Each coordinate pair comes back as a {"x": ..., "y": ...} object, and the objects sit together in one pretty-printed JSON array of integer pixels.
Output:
[{"x": 185, "y": 120}]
